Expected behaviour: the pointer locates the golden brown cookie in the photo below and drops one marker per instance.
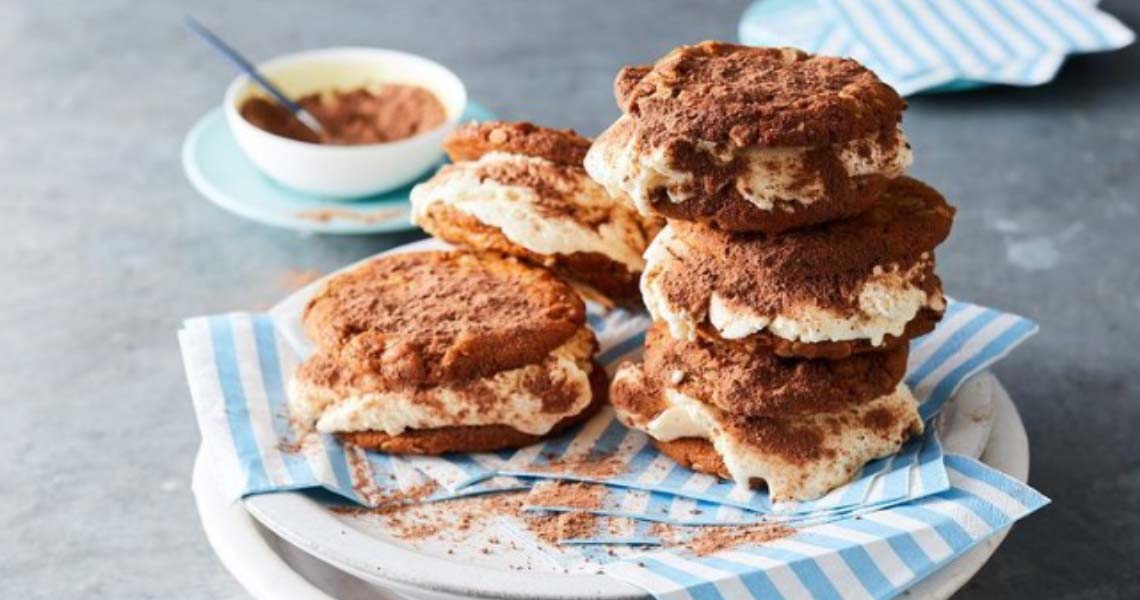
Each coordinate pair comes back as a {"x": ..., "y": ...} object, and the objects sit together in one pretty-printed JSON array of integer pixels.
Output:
[
  {"x": 797, "y": 456},
  {"x": 525, "y": 199},
  {"x": 474, "y": 438},
  {"x": 431, "y": 317},
  {"x": 828, "y": 291},
  {"x": 751, "y": 139},
  {"x": 746, "y": 378},
  {"x": 754, "y": 96},
  {"x": 699, "y": 455},
  {"x": 471, "y": 141}
]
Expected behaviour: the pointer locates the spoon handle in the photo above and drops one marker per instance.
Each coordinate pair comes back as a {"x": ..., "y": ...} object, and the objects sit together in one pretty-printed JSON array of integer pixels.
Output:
[{"x": 247, "y": 67}]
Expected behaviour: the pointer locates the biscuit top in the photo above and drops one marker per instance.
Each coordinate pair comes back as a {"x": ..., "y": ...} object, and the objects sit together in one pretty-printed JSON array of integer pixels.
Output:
[
  {"x": 723, "y": 93},
  {"x": 742, "y": 378},
  {"x": 435, "y": 317},
  {"x": 472, "y": 140},
  {"x": 825, "y": 263}
]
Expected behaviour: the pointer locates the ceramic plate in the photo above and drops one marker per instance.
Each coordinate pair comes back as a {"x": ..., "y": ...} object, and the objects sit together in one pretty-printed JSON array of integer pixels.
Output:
[
  {"x": 269, "y": 567},
  {"x": 219, "y": 170}
]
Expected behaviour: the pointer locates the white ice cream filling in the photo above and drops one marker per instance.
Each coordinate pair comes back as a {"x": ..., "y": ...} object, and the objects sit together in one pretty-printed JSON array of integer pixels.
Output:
[
  {"x": 394, "y": 412},
  {"x": 853, "y": 444},
  {"x": 887, "y": 301},
  {"x": 618, "y": 162},
  {"x": 514, "y": 210}
]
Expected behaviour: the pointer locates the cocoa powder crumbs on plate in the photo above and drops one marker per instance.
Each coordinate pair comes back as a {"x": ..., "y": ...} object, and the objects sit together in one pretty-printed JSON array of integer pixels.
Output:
[
  {"x": 711, "y": 539},
  {"x": 324, "y": 215},
  {"x": 589, "y": 466},
  {"x": 566, "y": 494}
]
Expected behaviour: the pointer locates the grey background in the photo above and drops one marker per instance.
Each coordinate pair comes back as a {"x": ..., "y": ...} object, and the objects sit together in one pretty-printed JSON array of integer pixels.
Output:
[{"x": 104, "y": 247}]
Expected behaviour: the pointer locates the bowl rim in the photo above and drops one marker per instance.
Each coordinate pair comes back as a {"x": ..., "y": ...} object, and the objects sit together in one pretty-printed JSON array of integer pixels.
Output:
[{"x": 229, "y": 100}]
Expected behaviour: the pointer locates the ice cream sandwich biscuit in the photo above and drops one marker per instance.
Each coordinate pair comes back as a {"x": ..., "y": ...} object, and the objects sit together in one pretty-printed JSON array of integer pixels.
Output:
[
  {"x": 743, "y": 377},
  {"x": 431, "y": 352},
  {"x": 751, "y": 139},
  {"x": 831, "y": 290},
  {"x": 798, "y": 457},
  {"x": 521, "y": 190}
]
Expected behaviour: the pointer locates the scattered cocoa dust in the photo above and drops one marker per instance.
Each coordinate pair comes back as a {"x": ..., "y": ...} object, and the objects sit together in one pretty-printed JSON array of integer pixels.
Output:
[
  {"x": 566, "y": 494},
  {"x": 554, "y": 528},
  {"x": 324, "y": 215},
  {"x": 589, "y": 466},
  {"x": 387, "y": 503},
  {"x": 708, "y": 539}
]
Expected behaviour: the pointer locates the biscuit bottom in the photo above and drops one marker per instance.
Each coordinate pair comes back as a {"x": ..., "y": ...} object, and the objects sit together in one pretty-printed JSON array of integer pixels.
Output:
[
  {"x": 799, "y": 458},
  {"x": 473, "y": 438}
]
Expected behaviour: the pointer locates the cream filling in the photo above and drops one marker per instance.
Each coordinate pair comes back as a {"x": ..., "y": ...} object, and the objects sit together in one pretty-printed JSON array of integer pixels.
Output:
[
  {"x": 887, "y": 301},
  {"x": 506, "y": 401},
  {"x": 514, "y": 210},
  {"x": 853, "y": 443},
  {"x": 768, "y": 175},
  {"x": 682, "y": 324}
]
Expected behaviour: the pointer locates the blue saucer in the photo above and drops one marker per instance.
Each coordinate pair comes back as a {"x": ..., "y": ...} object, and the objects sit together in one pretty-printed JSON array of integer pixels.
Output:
[{"x": 220, "y": 171}]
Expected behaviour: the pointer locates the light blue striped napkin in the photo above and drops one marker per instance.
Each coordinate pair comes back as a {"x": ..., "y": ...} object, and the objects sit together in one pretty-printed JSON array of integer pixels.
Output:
[
  {"x": 969, "y": 339},
  {"x": 237, "y": 365},
  {"x": 918, "y": 45},
  {"x": 892, "y": 486},
  {"x": 875, "y": 554}
]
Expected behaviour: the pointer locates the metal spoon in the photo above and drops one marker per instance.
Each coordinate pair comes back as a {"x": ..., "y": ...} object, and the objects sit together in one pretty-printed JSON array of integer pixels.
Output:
[{"x": 305, "y": 117}]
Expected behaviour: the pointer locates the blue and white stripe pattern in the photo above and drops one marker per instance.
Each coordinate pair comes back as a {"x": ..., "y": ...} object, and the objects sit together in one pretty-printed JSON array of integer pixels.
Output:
[
  {"x": 879, "y": 554},
  {"x": 237, "y": 365},
  {"x": 890, "y": 486},
  {"x": 917, "y": 45},
  {"x": 969, "y": 339}
]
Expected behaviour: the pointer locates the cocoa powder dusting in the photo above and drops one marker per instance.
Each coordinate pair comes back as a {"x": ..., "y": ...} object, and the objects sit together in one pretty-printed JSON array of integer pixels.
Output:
[{"x": 387, "y": 113}]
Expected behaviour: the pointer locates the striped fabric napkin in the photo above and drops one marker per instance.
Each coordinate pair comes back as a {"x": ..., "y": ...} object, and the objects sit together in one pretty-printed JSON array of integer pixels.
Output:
[
  {"x": 969, "y": 339},
  {"x": 918, "y": 45},
  {"x": 872, "y": 553},
  {"x": 237, "y": 365},
  {"x": 876, "y": 554},
  {"x": 887, "y": 488}
]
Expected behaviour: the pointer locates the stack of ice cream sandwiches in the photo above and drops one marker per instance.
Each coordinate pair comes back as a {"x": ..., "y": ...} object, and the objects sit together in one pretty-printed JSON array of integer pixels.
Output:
[{"x": 796, "y": 265}]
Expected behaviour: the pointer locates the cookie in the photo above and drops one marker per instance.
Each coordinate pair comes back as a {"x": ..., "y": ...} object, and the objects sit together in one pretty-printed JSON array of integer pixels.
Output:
[
  {"x": 751, "y": 139},
  {"x": 827, "y": 291},
  {"x": 426, "y": 318},
  {"x": 547, "y": 212},
  {"x": 473, "y": 438},
  {"x": 471, "y": 141},
  {"x": 445, "y": 351},
  {"x": 746, "y": 378},
  {"x": 798, "y": 457}
]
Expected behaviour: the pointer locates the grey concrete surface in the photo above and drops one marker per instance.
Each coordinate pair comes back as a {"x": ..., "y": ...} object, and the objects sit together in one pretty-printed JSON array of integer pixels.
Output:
[{"x": 104, "y": 247}]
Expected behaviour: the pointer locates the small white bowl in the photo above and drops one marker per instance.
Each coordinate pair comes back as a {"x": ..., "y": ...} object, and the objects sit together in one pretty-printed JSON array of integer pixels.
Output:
[{"x": 336, "y": 171}]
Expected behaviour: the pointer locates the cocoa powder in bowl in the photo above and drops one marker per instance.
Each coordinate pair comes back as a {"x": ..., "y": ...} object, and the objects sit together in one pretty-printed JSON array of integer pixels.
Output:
[{"x": 387, "y": 113}]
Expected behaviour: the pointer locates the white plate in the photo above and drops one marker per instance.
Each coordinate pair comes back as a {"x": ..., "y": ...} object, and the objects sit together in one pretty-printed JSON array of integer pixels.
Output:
[
  {"x": 370, "y": 564},
  {"x": 270, "y": 568}
]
